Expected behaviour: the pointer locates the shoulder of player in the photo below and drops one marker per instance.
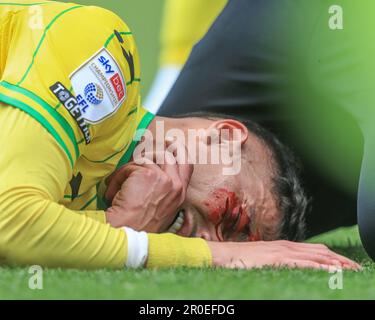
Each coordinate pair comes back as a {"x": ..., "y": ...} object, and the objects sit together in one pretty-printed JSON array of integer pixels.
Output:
[{"x": 101, "y": 16}]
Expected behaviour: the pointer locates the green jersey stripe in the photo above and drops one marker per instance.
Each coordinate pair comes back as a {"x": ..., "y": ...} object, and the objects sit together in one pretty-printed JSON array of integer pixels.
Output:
[
  {"x": 38, "y": 117},
  {"x": 145, "y": 122},
  {"x": 134, "y": 80},
  {"x": 109, "y": 157},
  {"x": 69, "y": 196},
  {"x": 57, "y": 116},
  {"x": 110, "y": 38},
  {"x": 89, "y": 202},
  {"x": 42, "y": 40},
  {"x": 129, "y": 149}
]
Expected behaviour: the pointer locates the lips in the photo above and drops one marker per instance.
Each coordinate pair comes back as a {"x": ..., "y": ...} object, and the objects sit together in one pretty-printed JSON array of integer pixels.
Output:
[
  {"x": 184, "y": 224},
  {"x": 187, "y": 229}
]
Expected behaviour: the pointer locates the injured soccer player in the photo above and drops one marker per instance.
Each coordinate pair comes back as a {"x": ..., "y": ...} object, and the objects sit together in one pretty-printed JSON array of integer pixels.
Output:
[
  {"x": 77, "y": 191},
  {"x": 183, "y": 179},
  {"x": 220, "y": 218}
]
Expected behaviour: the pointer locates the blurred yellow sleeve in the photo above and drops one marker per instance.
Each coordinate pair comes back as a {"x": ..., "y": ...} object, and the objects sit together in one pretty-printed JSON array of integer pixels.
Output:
[
  {"x": 185, "y": 22},
  {"x": 36, "y": 229}
]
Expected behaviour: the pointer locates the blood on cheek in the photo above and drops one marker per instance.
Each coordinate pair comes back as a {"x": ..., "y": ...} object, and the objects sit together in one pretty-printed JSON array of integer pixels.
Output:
[{"x": 224, "y": 206}]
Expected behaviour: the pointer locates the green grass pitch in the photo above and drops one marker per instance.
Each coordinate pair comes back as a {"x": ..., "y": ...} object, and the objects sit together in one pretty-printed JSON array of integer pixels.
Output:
[
  {"x": 143, "y": 16},
  {"x": 199, "y": 283}
]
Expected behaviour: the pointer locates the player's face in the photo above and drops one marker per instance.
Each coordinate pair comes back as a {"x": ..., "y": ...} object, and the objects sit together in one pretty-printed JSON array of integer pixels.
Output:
[{"x": 232, "y": 207}]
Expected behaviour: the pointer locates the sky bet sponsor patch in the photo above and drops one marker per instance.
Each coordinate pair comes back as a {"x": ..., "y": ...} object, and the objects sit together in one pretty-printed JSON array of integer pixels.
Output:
[
  {"x": 70, "y": 103},
  {"x": 99, "y": 86}
]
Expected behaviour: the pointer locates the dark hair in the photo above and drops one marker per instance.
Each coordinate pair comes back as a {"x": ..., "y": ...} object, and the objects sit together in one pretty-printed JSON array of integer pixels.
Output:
[{"x": 288, "y": 190}]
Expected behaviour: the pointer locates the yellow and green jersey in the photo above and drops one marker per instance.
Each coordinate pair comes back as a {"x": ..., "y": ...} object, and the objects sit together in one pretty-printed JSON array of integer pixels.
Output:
[
  {"x": 75, "y": 70},
  {"x": 69, "y": 108}
]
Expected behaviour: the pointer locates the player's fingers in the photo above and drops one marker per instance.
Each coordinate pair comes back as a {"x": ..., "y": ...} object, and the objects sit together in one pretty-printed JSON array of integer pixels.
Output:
[
  {"x": 324, "y": 250},
  {"x": 116, "y": 218},
  {"x": 333, "y": 255},
  {"x": 166, "y": 163},
  {"x": 346, "y": 261},
  {"x": 172, "y": 161},
  {"x": 181, "y": 155},
  {"x": 305, "y": 264},
  {"x": 185, "y": 170},
  {"x": 322, "y": 259},
  {"x": 117, "y": 178},
  {"x": 171, "y": 168}
]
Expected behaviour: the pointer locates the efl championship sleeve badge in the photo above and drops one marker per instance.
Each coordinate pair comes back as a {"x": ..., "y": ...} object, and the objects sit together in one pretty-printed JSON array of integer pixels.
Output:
[{"x": 99, "y": 86}]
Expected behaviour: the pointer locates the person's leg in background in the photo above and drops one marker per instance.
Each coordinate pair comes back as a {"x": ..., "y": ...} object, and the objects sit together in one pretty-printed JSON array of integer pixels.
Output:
[
  {"x": 185, "y": 22},
  {"x": 240, "y": 68}
]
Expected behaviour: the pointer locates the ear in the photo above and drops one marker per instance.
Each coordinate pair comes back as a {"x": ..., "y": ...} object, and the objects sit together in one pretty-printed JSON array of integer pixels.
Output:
[{"x": 229, "y": 130}]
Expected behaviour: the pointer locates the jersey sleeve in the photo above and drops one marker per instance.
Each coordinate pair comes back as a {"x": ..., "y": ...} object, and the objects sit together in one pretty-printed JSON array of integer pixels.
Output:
[
  {"x": 76, "y": 72},
  {"x": 185, "y": 22},
  {"x": 35, "y": 229}
]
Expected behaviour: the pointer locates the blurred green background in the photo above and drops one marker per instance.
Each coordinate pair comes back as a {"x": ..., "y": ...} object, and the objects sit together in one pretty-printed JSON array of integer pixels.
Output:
[{"x": 144, "y": 19}]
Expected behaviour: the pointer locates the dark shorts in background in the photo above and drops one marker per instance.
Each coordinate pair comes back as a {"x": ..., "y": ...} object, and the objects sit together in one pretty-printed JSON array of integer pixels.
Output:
[{"x": 279, "y": 63}]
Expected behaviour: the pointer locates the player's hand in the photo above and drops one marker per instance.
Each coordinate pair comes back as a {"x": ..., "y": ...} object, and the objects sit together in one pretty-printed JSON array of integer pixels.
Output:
[
  {"x": 258, "y": 254},
  {"x": 147, "y": 197}
]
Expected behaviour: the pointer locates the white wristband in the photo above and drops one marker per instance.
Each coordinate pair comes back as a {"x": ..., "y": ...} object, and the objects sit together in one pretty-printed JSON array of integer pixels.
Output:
[{"x": 137, "y": 248}]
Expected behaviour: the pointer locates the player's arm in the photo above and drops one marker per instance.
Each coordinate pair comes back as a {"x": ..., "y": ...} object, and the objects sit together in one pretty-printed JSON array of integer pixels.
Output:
[{"x": 35, "y": 229}]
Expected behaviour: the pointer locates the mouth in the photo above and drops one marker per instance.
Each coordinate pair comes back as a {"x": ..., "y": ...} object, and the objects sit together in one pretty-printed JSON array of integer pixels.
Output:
[
  {"x": 178, "y": 222},
  {"x": 183, "y": 225}
]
